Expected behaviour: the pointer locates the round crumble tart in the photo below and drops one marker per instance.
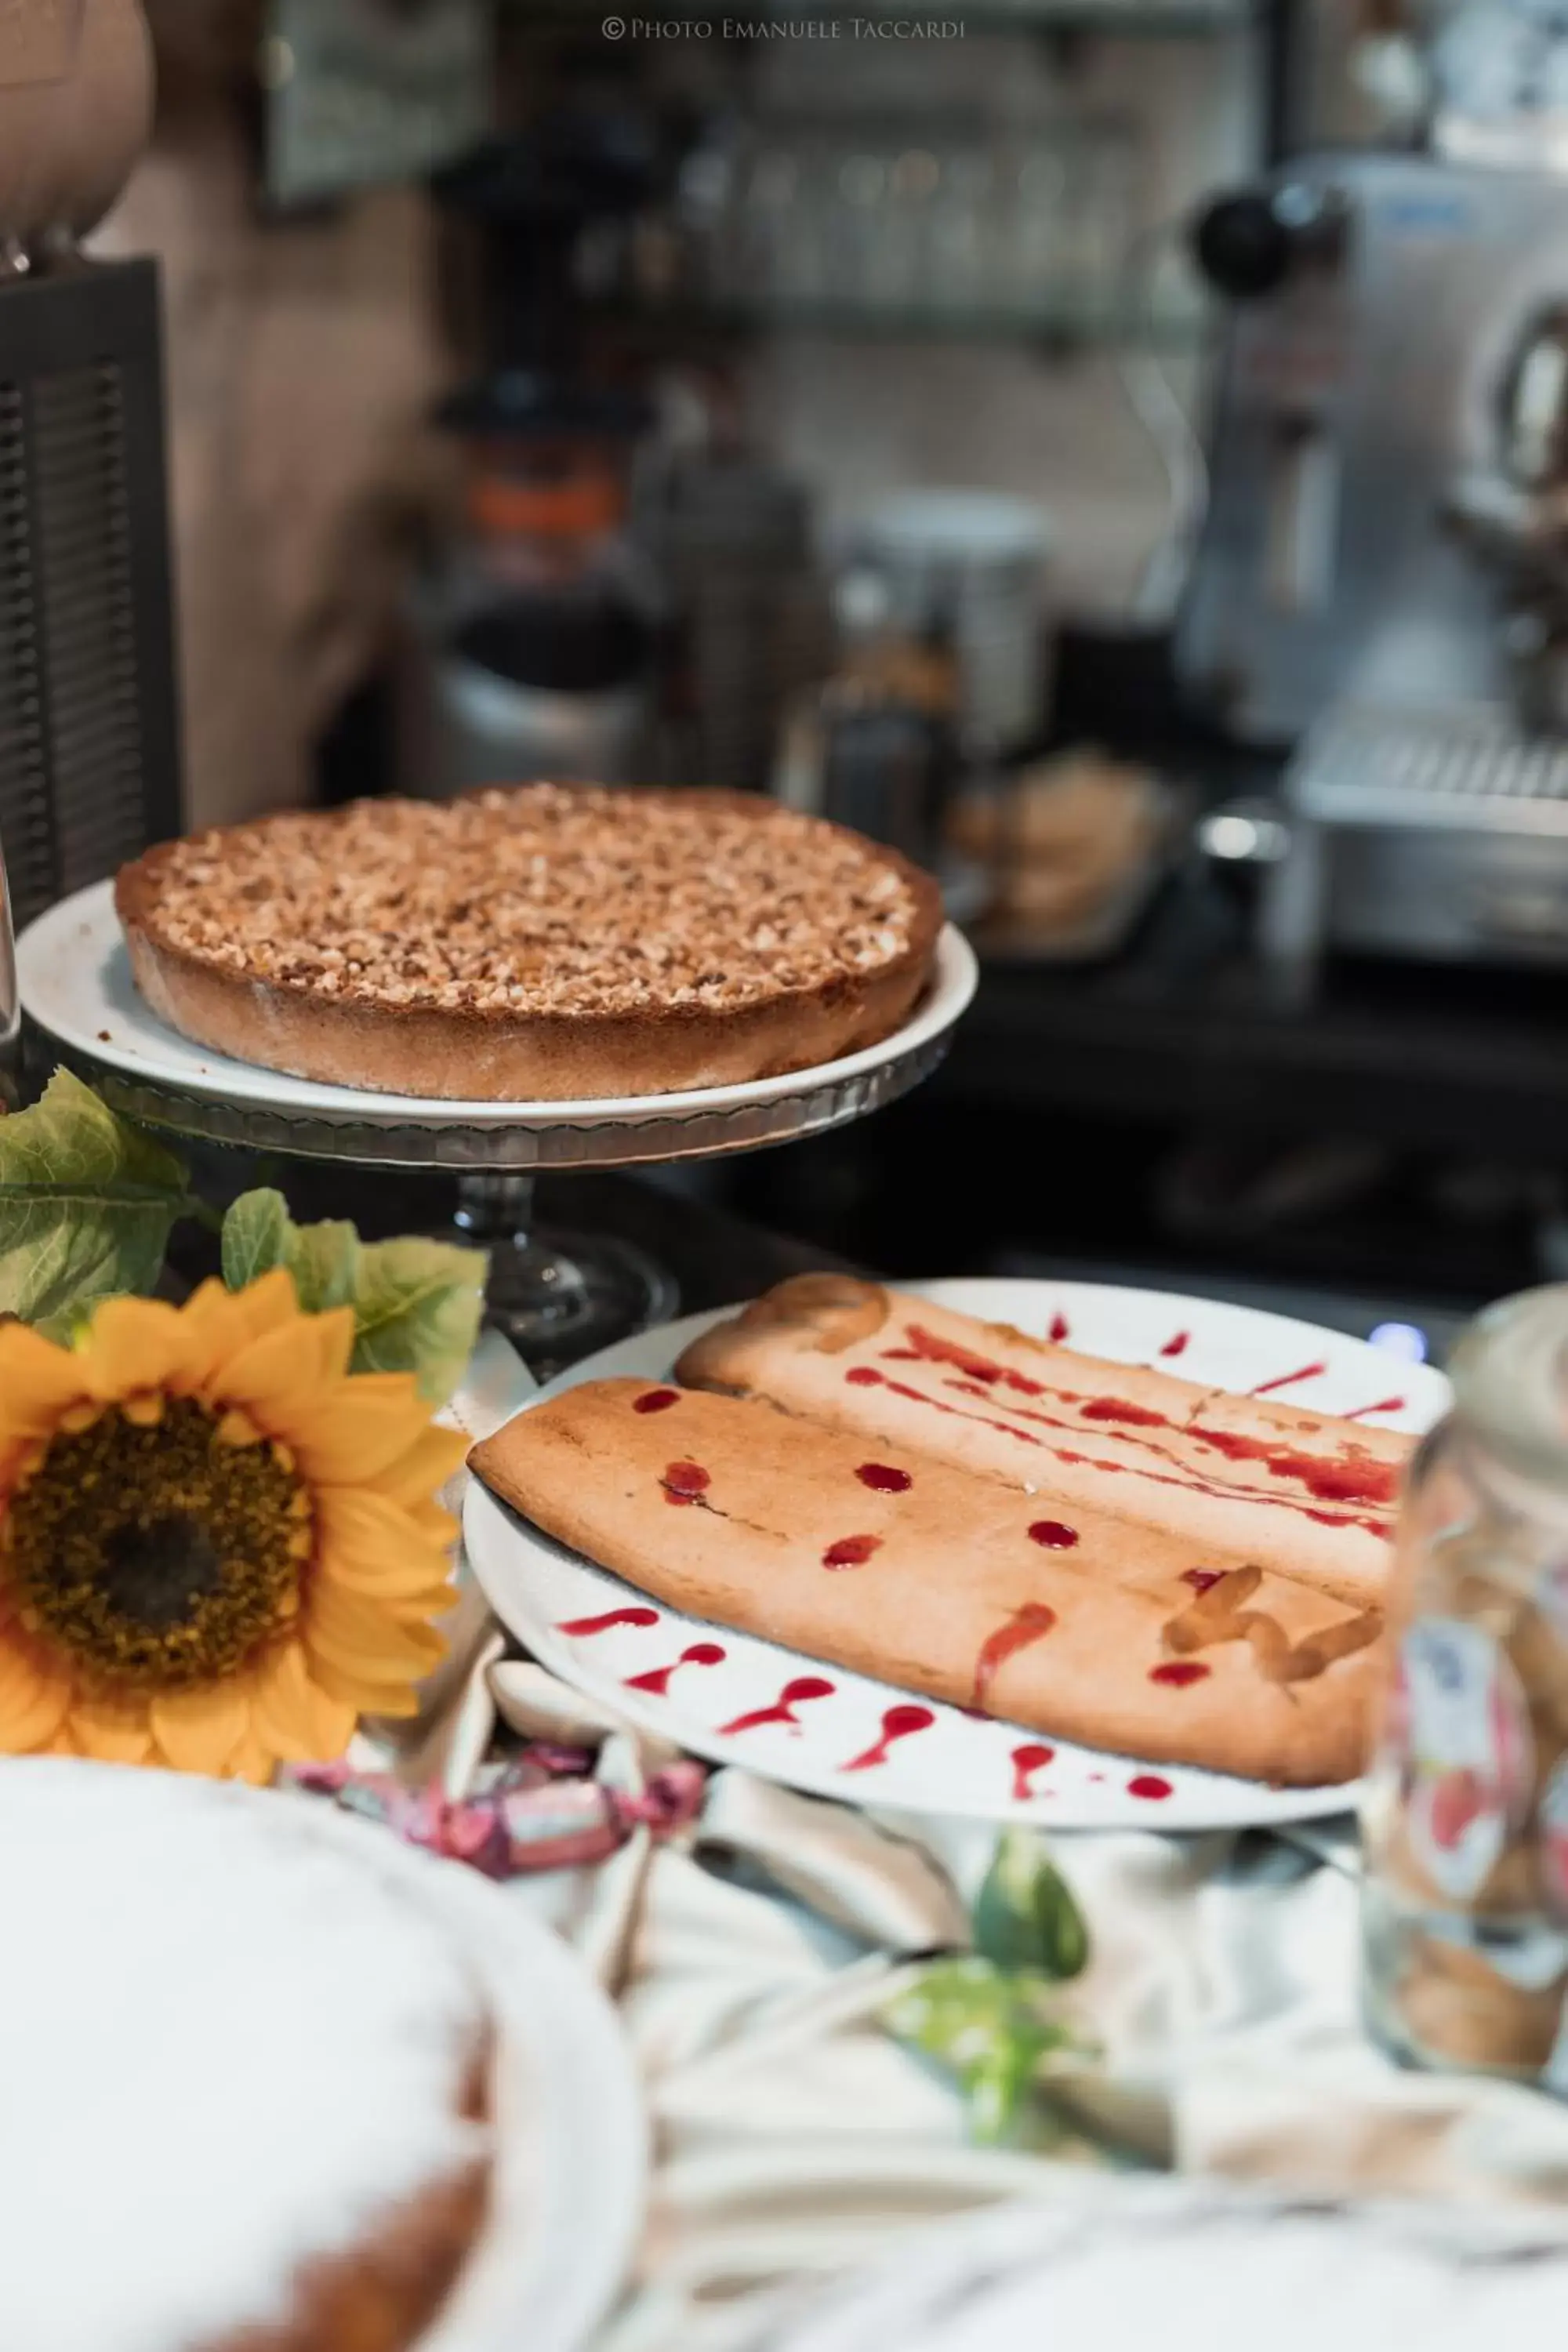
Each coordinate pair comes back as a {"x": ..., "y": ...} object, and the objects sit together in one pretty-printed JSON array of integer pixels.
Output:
[{"x": 541, "y": 943}]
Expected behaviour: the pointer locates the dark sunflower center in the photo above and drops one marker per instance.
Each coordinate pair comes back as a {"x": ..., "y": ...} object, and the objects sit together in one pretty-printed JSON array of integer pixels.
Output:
[{"x": 159, "y": 1556}]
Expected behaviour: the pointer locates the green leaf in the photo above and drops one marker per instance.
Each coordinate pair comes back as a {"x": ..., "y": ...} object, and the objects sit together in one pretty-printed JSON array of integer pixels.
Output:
[
  {"x": 324, "y": 1261},
  {"x": 254, "y": 1237},
  {"x": 1024, "y": 1915},
  {"x": 418, "y": 1305},
  {"x": 990, "y": 2029},
  {"x": 87, "y": 1204},
  {"x": 259, "y": 1234}
]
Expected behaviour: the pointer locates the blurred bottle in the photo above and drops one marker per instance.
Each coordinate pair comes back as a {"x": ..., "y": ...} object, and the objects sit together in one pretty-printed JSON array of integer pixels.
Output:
[
  {"x": 731, "y": 540},
  {"x": 876, "y": 748}
]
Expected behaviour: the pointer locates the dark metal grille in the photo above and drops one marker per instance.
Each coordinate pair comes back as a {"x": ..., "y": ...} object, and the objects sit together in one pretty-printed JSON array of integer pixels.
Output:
[{"x": 89, "y": 761}]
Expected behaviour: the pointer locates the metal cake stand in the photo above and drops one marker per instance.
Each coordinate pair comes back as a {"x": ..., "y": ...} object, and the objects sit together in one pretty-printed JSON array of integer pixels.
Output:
[{"x": 557, "y": 1295}]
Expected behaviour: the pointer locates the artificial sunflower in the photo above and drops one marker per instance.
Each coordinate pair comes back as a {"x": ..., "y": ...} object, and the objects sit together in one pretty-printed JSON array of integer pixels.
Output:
[{"x": 217, "y": 1547}]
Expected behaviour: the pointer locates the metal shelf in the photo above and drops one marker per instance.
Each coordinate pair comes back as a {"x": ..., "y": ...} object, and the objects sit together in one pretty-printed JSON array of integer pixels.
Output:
[{"x": 1054, "y": 325}]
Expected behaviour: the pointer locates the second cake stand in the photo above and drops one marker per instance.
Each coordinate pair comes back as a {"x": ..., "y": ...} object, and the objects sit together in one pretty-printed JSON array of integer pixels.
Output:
[{"x": 557, "y": 1295}]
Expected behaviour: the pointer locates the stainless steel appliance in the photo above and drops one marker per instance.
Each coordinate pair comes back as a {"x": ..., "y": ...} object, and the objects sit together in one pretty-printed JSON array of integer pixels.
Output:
[{"x": 1381, "y": 589}]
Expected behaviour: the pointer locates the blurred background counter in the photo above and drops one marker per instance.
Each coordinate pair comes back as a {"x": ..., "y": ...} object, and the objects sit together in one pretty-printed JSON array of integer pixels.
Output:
[{"x": 1116, "y": 450}]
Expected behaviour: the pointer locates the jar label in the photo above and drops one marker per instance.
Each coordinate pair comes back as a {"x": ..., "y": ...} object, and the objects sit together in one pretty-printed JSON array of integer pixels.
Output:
[
  {"x": 1469, "y": 1756},
  {"x": 1553, "y": 1819},
  {"x": 1552, "y": 1598}
]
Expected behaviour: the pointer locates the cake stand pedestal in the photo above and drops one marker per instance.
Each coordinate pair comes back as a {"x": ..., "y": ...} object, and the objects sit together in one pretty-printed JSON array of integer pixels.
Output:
[{"x": 557, "y": 1295}]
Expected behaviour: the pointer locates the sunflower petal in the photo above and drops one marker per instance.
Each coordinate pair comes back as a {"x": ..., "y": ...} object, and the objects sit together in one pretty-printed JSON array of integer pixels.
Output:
[
  {"x": 373, "y": 1420},
  {"x": 35, "y": 1696},
  {"x": 435, "y": 1455},
  {"x": 368, "y": 1542},
  {"x": 116, "y": 1731},
  {"x": 135, "y": 1344},
  {"x": 277, "y": 1379},
  {"x": 354, "y": 1634},
  {"x": 37, "y": 1381},
  {"x": 198, "y": 1731},
  {"x": 363, "y": 1694},
  {"x": 295, "y": 1717}
]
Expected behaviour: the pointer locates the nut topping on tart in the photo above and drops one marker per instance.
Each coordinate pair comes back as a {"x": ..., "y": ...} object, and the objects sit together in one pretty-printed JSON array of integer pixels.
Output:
[{"x": 541, "y": 943}]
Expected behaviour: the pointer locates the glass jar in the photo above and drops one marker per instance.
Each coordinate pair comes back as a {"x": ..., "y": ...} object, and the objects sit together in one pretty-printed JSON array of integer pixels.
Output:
[{"x": 1465, "y": 1904}]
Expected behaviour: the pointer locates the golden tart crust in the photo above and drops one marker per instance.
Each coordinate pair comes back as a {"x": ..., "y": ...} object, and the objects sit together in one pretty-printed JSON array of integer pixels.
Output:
[{"x": 539, "y": 942}]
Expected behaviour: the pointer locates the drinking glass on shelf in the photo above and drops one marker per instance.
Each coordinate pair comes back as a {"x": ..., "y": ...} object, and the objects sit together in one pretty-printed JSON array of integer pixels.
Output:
[
  {"x": 964, "y": 269},
  {"x": 856, "y": 217},
  {"x": 1032, "y": 243}
]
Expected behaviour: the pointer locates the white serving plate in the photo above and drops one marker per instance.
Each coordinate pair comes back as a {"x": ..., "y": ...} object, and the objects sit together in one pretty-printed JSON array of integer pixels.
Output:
[
  {"x": 572, "y": 2142},
  {"x": 74, "y": 978},
  {"x": 954, "y": 1762}
]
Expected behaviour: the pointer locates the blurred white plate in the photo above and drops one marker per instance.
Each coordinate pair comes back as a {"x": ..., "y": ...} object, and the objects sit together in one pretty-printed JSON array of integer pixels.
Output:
[
  {"x": 951, "y": 1762},
  {"x": 1121, "y": 2265},
  {"x": 571, "y": 2147}
]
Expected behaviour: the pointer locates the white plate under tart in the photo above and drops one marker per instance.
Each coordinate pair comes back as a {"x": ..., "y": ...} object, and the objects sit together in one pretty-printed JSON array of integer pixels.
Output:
[
  {"x": 957, "y": 1763},
  {"x": 74, "y": 978}
]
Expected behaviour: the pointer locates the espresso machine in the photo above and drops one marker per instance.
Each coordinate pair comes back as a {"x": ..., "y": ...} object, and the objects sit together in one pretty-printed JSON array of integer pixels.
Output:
[{"x": 1381, "y": 591}]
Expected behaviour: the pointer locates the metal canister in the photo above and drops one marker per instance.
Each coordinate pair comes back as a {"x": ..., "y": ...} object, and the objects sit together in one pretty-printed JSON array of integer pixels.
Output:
[{"x": 1466, "y": 1891}]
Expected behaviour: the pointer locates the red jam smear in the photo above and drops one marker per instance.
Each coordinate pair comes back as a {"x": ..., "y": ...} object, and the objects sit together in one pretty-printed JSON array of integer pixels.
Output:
[
  {"x": 655, "y": 1400},
  {"x": 1334, "y": 1478},
  {"x": 1383, "y": 1404},
  {"x": 1136, "y": 1416},
  {"x": 1180, "y": 1673},
  {"x": 1054, "y": 1535},
  {"x": 1177, "y": 1344},
  {"x": 883, "y": 1479},
  {"x": 782, "y": 1710},
  {"x": 1030, "y": 1623},
  {"x": 851, "y": 1551},
  {"x": 684, "y": 1482},
  {"x": 1150, "y": 1786},
  {"x": 580, "y": 1626},
  {"x": 1289, "y": 1379},
  {"x": 1202, "y": 1580},
  {"x": 899, "y": 1723},
  {"x": 937, "y": 1351}
]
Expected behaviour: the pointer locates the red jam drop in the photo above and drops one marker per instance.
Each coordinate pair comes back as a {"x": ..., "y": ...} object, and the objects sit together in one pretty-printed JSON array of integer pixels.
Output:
[
  {"x": 851, "y": 1551},
  {"x": 864, "y": 1376},
  {"x": 782, "y": 1710},
  {"x": 1180, "y": 1673},
  {"x": 1150, "y": 1786},
  {"x": 883, "y": 1479},
  {"x": 655, "y": 1400},
  {"x": 1061, "y": 1326},
  {"x": 1053, "y": 1534},
  {"x": 700, "y": 1653},
  {"x": 684, "y": 1482},
  {"x": 1026, "y": 1762},
  {"x": 899, "y": 1723},
  {"x": 1177, "y": 1344}
]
